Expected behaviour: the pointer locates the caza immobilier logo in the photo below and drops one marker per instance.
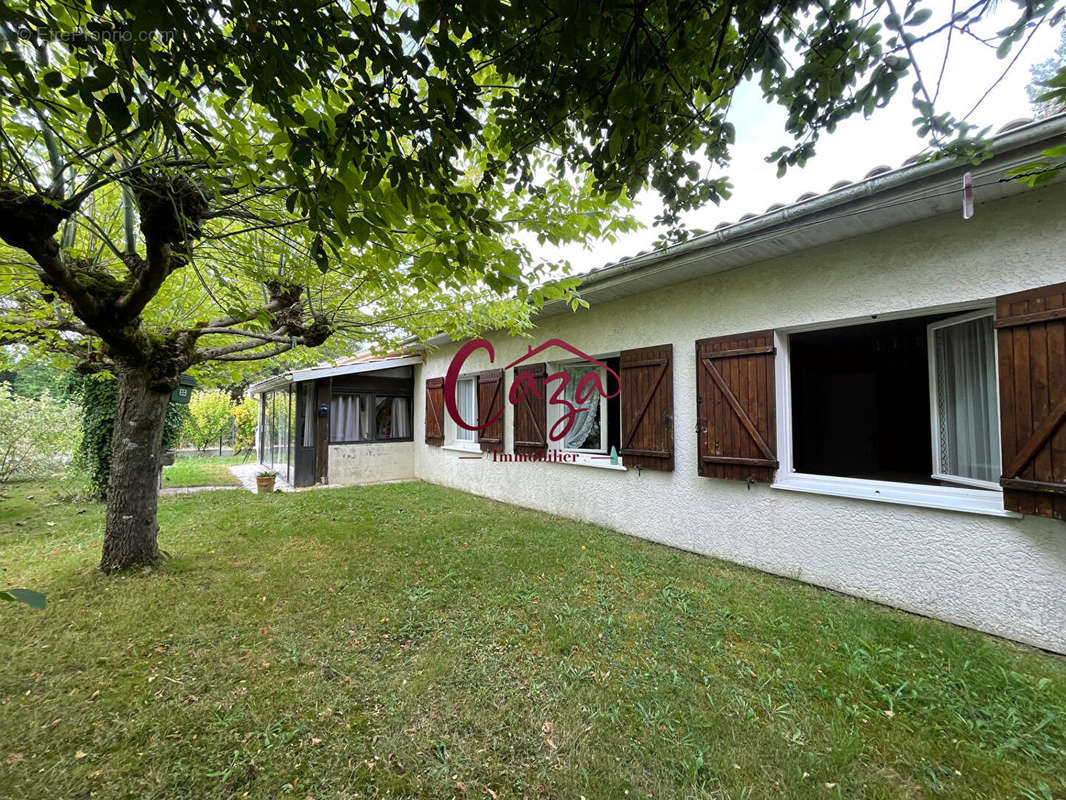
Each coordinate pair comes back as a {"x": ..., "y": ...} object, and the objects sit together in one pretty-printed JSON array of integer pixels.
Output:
[{"x": 589, "y": 386}]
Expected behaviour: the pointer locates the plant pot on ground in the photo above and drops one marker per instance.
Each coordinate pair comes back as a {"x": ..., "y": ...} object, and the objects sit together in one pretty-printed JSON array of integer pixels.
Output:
[{"x": 264, "y": 482}]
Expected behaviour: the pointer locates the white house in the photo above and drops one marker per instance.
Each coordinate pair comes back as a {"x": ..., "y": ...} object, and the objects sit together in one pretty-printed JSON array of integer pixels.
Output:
[{"x": 861, "y": 390}]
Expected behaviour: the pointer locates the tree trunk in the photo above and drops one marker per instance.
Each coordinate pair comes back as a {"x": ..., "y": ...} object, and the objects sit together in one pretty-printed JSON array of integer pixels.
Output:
[{"x": 133, "y": 489}]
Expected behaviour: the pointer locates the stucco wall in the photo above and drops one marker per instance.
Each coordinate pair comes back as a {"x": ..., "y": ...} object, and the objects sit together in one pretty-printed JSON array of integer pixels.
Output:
[
  {"x": 1001, "y": 575},
  {"x": 374, "y": 462}
]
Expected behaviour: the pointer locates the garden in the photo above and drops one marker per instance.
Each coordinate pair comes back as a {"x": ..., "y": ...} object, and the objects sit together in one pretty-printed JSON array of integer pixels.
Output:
[{"x": 412, "y": 641}]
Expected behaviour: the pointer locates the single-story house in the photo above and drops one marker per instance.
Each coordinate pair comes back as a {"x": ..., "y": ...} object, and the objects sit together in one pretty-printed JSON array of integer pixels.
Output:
[
  {"x": 347, "y": 422},
  {"x": 861, "y": 389}
]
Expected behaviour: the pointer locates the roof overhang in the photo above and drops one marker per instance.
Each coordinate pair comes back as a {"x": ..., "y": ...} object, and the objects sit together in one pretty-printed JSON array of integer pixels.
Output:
[
  {"x": 314, "y": 373},
  {"x": 909, "y": 193}
]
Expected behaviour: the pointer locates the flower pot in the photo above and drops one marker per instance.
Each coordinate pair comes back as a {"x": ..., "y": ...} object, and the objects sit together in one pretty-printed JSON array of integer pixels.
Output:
[{"x": 264, "y": 484}]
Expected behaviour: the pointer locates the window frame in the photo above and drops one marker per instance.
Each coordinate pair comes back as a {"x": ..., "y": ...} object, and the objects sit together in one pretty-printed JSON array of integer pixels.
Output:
[
  {"x": 452, "y": 430},
  {"x": 934, "y": 410},
  {"x": 555, "y": 412},
  {"x": 372, "y": 396},
  {"x": 951, "y": 498}
]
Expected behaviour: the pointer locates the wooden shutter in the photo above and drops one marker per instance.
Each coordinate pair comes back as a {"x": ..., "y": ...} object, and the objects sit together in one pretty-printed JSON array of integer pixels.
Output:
[
  {"x": 435, "y": 411},
  {"x": 531, "y": 415},
  {"x": 489, "y": 405},
  {"x": 1031, "y": 339},
  {"x": 735, "y": 410},
  {"x": 647, "y": 403}
]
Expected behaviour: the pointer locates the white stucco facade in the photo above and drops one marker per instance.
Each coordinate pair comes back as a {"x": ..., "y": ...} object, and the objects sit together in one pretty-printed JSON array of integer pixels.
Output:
[
  {"x": 998, "y": 574},
  {"x": 371, "y": 462}
]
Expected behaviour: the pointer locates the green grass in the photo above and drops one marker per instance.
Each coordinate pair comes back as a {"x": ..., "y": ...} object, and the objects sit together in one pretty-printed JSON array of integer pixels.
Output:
[
  {"x": 412, "y": 641},
  {"x": 202, "y": 471}
]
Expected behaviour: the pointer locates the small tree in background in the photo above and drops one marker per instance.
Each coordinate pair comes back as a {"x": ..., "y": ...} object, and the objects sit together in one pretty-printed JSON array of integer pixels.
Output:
[
  {"x": 208, "y": 419},
  {"x": 36, "y": 436},
  {"x": 244, "y": 417}
]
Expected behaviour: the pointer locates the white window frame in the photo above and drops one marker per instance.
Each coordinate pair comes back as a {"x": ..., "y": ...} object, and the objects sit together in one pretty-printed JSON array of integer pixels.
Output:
[
  {"x": 555, "y": 412},
  {"x": 452, "y": 431},
  {"x": 581, "y": 457},
  {"x": 950, "y": 498},
  {"x": 934, "y": 406}
]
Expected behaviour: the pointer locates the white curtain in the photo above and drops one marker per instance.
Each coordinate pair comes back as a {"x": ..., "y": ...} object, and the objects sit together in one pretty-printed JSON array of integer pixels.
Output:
[
  {"x": 965, "y": 365},
  {"x": 585, "y": 420},
  {"x": 309, "y": 415},
  {"x": 467, "y": 403},
  {"x": 401, "y": 418},
  {"x": 345, "y": 421}
]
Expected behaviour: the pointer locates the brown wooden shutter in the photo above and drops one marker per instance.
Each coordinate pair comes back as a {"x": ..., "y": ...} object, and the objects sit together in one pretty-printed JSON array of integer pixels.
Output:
[
  {"x": 531, "y": 415},
  {"x": 1031, "y": 339},
  {"x": 735, "y": 409},
  {"x": 489, "y": 405},
  {"x": 647, "y": 403},
  {"x": 435, "y": 411}
]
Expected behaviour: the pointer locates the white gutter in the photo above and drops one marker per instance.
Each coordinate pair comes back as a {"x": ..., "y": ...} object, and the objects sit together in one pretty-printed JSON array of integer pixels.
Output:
[
  {"x": 780, "y": 222},
  {"x": 1024, "y": 136},
  {"x": 370, "y": 366}
]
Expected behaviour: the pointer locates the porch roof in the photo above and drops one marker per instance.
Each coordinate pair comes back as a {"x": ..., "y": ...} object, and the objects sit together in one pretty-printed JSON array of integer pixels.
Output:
[{"x": 363, "y": 362}]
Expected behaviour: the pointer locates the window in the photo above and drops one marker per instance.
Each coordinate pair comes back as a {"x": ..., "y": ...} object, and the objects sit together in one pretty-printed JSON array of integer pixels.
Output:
[
  {"x": 962, "y": 377},
  {"x": 392, "y": 417},
  {"x": 907, "y": 400},
  {"x": 596, "y": 428},
  {"x": 349, "y": 419},
  {"x": 466, "y": 403}
]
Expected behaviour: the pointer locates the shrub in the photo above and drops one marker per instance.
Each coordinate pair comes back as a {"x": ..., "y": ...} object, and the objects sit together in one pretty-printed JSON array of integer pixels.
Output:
[
  {"x": 208, "y": 419},
  {"x": 245, "y": 414},
  {"x": 36, "y": 437},
  {"x": 99, "y": 395}
]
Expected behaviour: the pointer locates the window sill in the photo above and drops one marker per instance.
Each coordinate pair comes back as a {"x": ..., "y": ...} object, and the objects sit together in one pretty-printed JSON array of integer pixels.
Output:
[
  {"x": 947, "y": 498},
  {"x": 468, "y": 447},
  {"x": 590, "y": 460}
]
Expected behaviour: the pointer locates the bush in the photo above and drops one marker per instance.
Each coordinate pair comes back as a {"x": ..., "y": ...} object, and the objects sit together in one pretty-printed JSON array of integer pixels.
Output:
[
  {"x": 99, "y": 396},
  {"x": 245, "y": 414},
  {"x": 36, "y": 437},
  {"x": 208, "y": 419}
]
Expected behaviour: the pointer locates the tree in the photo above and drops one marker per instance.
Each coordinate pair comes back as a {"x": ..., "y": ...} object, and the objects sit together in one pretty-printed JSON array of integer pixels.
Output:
[
  {"x": 180, "y": 185},
  {"x": 1043, "y": 77},
  {"x": 245, "y": 413},
  {"x": 208, "y": 419}
]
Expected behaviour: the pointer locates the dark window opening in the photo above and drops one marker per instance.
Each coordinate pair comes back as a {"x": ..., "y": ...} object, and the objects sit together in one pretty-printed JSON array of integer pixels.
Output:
[{"x": 860, "y": 401}]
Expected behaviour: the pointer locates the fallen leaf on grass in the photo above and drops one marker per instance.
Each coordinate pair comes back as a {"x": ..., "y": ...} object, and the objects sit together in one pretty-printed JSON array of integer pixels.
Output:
[{"x": 80, "y": 754}]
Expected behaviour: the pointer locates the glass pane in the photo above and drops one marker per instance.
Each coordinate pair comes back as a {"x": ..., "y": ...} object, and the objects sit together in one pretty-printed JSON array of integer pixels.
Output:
[
  {"x": 966, "y": 408},
  {"x": 465, "y": 398},
  {"x": 586, "y": 432},
  {"x": 401, "y": 417},
  {"x": 308, "y": 438}
]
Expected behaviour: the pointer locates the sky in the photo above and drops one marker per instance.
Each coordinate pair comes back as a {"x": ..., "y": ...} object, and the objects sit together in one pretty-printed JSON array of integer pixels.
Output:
[{"x": 856, "y": 146}]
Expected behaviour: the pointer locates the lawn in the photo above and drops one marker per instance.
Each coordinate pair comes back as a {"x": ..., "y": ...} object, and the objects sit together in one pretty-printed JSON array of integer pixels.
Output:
[
  {"x": 412, "y": 641},
  {"x": 202, "y": 471}
]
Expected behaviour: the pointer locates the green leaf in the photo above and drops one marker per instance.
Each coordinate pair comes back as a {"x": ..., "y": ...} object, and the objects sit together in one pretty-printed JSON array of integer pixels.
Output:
[
  {"x": 94, "y": 129},
  {"x": 118, "y": 114},
  {"x": 30, "y": 598},
  {"x": 920, "y": 16}
]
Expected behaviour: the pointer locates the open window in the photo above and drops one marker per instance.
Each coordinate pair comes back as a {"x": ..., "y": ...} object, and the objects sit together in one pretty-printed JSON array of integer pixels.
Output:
[
  {"x": 965, "y": 404},
  {"x": 908, "y": 400},
  {"x": 595, "y": 428}
]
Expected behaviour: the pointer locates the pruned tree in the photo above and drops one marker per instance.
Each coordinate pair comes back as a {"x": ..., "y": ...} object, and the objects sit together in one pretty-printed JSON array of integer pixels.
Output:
[{"x": 186, "y": 184}]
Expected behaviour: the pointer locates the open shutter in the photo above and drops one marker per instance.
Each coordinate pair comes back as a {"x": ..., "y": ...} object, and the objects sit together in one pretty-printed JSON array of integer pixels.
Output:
[
  {"x": 736, "y": 424},
  {"x": 1031, "y": 339},
  {"x": 435, "y": 411},
  {"x": 489, "y": 405},
  {"x": 531, "y": 415},
  {"x": 647, "y": 402}
]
